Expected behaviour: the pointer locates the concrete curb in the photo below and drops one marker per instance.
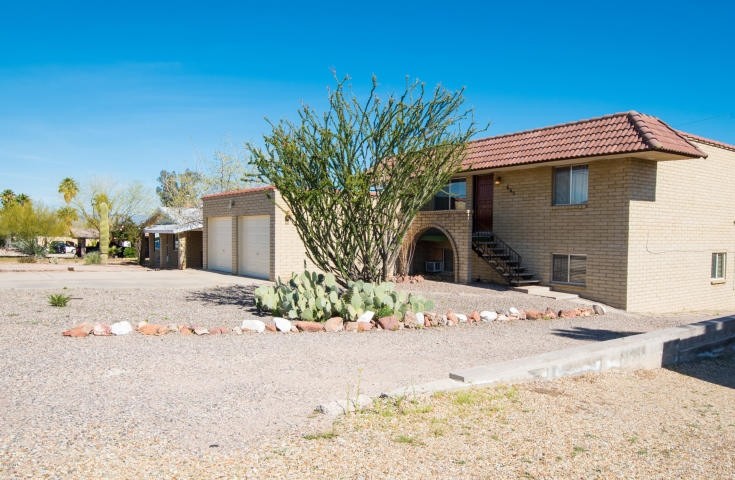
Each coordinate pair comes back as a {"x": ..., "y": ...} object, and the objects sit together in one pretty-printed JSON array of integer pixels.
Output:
[{"x": 660, "y": 348}]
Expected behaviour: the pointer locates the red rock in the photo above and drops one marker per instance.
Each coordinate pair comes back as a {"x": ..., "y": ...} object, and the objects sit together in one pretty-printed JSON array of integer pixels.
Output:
[
  {"x": 474, "y": 317},
  {"x": 534, "y": 314},
  {"x": 81, "y": 330},
  {"x": 152, "y": 329},
  {"x": 219, "y": 331},
  {"x": 586, "y": 311},
  {"x": 364, "y": 327},
  {"x": 409, "y": 320},
  {"x": 185, "y": 330},
  {"x": 334, "y": 324},
  {"x": 305, "y": 326},
  {"x": 452, "y": 319},
  {"x": 549, "y": 314},
  {"x": 269, "y": 327},
  {"x": 350, "y": 326},
  {"x": 569, "y": 313},
  {"x": 388, "y": 323}
]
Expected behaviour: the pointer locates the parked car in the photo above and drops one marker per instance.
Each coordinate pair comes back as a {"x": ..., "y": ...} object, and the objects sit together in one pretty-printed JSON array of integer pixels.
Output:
[{"x": 62, "y": 247}]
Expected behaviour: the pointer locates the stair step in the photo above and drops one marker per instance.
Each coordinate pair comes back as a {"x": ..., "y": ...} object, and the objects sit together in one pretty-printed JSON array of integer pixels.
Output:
[{"x": 518, "y": 283}]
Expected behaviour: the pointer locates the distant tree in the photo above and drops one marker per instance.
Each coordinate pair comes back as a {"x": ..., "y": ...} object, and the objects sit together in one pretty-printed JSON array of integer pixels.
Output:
[
  {"x": 104, "y": 230},
  {"x": 7, "y": 197},
  {"x": 228, "y": 170},
  {"x": 180, "y": 189},
  {"x": 22, "y": 199},
  {"x": 124, "y": 202},
  {"x": 355, "y": 177},
  {"x": 68, "y": 216},
  {"x": 69, "y": 189},
  {"x": 26, "y": 221}
]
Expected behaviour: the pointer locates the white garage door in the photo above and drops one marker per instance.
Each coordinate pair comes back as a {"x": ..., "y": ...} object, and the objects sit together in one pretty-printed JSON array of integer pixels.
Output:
[
  {"x": 219, "y": 243},
  {"x": 254, "y": 252}
]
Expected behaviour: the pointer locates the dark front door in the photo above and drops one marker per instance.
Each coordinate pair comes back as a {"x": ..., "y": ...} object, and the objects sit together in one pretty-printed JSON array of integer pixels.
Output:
[{"x": 483, "y": 203}]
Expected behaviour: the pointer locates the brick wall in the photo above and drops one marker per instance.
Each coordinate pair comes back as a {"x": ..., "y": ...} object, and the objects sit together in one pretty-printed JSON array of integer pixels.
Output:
[
  {"x": 523, "y": 216},
  {"x": 672, "y": 238}
]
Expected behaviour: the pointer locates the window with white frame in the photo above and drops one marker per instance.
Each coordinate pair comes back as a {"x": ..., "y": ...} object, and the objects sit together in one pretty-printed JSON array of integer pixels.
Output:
[
  {"x": 570, "y": 185},
  {"x": 570, "y": 269},
  {"x": 718, "y": 265},
  {"x": 453, "y": 196}
]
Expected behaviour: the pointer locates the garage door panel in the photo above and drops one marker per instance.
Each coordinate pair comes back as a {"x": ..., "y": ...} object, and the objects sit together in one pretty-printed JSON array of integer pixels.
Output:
[
  {"x": 219, "y": 244},
  {"x": 254, "y": 246}
]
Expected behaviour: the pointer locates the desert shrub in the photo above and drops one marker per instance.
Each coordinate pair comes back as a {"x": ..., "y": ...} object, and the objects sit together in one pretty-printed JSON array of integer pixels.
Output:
[
  {"x": 27, "y": 259},
  {"x": 58, "y": 300},
  {"x": 92, "y": 258},
  {"x": 316, "y": 296},
  {"x": 31, "y": 247},
  {"x": 130, "y": 252}
]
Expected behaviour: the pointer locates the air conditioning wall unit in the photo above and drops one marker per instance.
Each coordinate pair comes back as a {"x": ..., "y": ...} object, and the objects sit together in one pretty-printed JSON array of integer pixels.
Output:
[{"x": 434, "y": 267}]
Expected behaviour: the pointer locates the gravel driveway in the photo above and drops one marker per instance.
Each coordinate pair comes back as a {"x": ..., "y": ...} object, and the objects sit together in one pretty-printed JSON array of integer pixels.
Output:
[{"x": 63, "y": 396}]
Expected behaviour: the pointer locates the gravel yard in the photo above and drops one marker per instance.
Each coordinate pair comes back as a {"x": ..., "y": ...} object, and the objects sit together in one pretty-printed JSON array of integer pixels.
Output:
[{"x": 70, "y": 402}]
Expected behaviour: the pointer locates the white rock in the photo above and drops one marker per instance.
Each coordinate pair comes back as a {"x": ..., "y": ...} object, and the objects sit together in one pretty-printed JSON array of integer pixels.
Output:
[
  {"x": 237, "y": 330},
  {"x": 462, "y": 318},
  {"x": 121, "y": 328},
  {"x": 365, "y": 317},
  {"x": 513, "y": 311},
  {"x": 488, "y": 315},
  {"x": 253, "y": 326},
  {"x": 282, "y": 324},
  {"x": 420, "y": 320},
  {"x": 341, "y": 407},
  {"x": 503, "y": 318},
  {"x": 599, "y": 309}
]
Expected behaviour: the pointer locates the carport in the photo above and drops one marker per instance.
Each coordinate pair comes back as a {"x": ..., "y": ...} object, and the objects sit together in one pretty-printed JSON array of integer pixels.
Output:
[{"x": 175, "y": 238}]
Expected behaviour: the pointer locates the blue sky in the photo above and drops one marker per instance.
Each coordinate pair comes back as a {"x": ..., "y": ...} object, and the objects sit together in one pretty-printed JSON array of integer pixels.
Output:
[{"x": 121, "y": 91}]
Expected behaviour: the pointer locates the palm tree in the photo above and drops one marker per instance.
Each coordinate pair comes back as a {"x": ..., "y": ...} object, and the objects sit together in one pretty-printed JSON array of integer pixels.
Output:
[
  {"x": 22, "y": 199},
  {"x": 69, "y": 188},
  {"x": 68, "y": 215},
  {"x": 7, "y": 197}
]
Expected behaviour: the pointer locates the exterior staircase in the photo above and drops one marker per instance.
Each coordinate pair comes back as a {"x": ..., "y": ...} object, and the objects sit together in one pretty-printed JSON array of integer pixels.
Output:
[{"x": 502, "y": 258}]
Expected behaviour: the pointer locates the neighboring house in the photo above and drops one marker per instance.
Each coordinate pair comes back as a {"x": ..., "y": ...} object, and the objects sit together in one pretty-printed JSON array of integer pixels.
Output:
[
  {"x": 247, "y": 232},
  {"x": 621, "y": 209},
  {"x": 173, "y": 239}
]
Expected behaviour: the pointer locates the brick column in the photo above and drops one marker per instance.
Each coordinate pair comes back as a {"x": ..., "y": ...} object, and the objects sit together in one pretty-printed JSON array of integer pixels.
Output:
[
  {"x": 163, "y": 242},
  {"x": 151, "y": 250}
]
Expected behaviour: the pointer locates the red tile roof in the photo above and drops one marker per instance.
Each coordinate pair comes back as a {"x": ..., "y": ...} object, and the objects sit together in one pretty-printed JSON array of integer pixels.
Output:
[
  {"x": 708, "y": 141},
  {"x": 620, "y": 133},
  {"x": 233, "y": 193}
]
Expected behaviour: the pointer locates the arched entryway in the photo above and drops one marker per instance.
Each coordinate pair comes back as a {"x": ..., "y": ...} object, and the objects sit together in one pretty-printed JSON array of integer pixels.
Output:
[{"x": 434, "y": 255}]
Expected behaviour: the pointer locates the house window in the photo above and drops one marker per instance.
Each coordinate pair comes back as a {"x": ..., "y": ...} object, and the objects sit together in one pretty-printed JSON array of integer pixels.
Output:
[
  {"x": 569, "y": 269},
  {"x": 718, "y": 265},
  {"x": 452, "y": 197},
  {"x": 570, "y": 185}
]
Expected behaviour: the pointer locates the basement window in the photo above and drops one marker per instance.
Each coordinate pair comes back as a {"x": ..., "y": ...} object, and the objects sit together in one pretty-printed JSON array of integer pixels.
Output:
[
  {"x": 718, "y": 265},
  {"x": 571, "y": 269},
  {"x": 570, "y": 185}
]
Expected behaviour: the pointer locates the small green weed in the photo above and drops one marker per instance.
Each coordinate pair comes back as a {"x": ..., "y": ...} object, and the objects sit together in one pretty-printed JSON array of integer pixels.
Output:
[
  {"x": 577, "y": 450},
  {"x": 407, "y": 440},
  {"x": 58, "y": 300},
  {"x": 321, "y": 436}
]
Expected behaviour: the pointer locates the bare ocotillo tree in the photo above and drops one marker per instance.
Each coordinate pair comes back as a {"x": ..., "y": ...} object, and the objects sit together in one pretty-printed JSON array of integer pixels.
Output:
[{"x": 356, "y": 176}]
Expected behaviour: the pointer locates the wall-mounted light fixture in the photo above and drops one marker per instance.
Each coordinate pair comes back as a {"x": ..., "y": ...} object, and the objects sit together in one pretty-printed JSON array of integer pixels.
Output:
[{"x": 498, "y": 180}]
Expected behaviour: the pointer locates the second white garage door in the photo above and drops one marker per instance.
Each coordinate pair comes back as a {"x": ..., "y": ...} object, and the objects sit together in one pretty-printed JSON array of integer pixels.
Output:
[
  {"x": 219, "y": 243},
  {"x": 254, "y": 252}
]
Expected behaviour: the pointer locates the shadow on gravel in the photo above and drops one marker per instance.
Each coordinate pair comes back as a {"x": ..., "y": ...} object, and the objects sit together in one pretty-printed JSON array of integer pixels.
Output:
[
  {"x": 241, "y": 295},
  {"x": 581, "y": 333},
  {"x": 717, "y": 370}
]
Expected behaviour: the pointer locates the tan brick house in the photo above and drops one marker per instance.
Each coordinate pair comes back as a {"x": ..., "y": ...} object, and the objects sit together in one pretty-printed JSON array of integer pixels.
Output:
[
  {"x": 621, "y": 209},
  {"x": 172, "y": 238}
]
